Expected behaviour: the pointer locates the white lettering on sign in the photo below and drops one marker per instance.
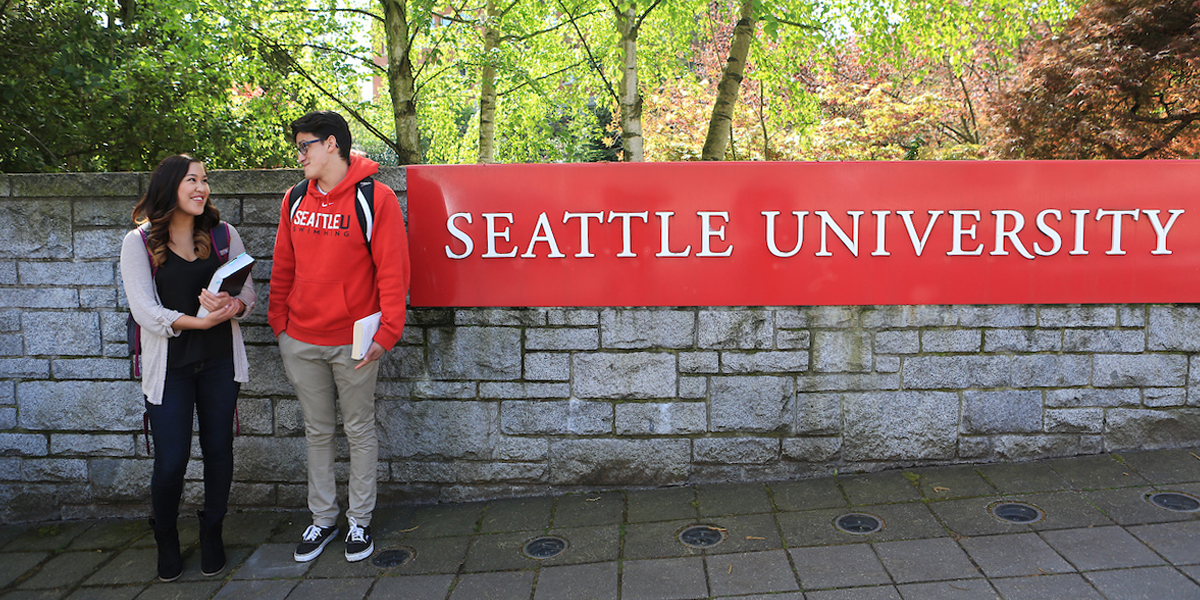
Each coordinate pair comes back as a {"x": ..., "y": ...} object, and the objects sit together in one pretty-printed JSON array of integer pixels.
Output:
[
  {"x": 1116, "y": 226},
  {"x": 584, "y": 252},
  {"x": 1160, "y": 230},
  {"x": 959, "y": 232},
  {"x": 543, "y": 225},
  {"x": 1079, "y": 215},
  {"x": 1009, "y": 233},
  {"x": 627, "y": 237},
  {"x": 493, "y": 235},
  {"x": 880, "y": 231},
  {"x": 460, "y": 235},
  {"x": 918, "y": 244},
  {"x": 771, "y": 245},
  {"x": 1049, "y": 232},
  {"x": 707, "y": 233},
  {"x": 828, "y": 223},
  {"x": 665, "y": 252}
]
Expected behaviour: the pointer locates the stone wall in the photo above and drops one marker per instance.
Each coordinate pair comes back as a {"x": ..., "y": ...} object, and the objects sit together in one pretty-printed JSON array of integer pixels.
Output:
[{"x": 480, "y": 403}]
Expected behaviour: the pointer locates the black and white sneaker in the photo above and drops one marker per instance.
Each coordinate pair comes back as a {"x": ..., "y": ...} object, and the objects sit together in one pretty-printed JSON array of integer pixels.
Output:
[
  {"x": 315, "y": 540},
  {"x": 359, "y": 544}
]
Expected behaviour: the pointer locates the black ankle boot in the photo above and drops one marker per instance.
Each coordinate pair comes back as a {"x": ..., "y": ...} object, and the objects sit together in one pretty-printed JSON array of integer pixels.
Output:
[
  {"x": 170, "y": 562},
  {"x": 212, "y": 547}
]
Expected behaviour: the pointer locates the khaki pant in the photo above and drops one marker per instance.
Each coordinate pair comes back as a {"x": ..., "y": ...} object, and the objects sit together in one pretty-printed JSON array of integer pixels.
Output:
[{"x": 321, "y": 374}]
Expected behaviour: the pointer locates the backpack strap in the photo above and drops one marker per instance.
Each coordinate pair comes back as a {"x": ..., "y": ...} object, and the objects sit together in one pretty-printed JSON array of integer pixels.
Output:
[
  {"x": 364, "y": 208},
  {"x": 133, "y": 333},
  {"x": 220, "y": 241},
  {"x": 146, "y": 245},
  {"x": 294, "y": 196},
  {"x": 364, "y": 205},
  {"x": 133, "y": 330}
]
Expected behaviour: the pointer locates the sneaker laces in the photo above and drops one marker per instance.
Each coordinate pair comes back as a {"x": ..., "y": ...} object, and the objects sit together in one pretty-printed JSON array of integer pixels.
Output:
[
  {"x": 356, "y": 533},
  {"x": 312, "y": 534}
]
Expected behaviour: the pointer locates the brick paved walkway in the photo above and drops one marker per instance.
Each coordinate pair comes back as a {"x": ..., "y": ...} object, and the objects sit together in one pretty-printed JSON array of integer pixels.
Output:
[{"x": 1098, "y": 538}]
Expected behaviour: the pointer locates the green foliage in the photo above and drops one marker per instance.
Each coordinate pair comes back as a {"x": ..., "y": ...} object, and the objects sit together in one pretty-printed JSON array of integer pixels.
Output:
[
  {"x": 447, "y": 117},
  {"x": 82, "y": 89},
  {"x": 85, "y": 90},
  {"x": 873, "y": 123},
  {"x": 544, "y": 89},
  {"x": 862, "y": 79}
]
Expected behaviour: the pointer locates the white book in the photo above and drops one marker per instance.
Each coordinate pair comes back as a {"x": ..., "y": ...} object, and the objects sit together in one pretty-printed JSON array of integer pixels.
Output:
[
  {"x": 230, "y": 277},
  {"x": 364, "y": 333}
]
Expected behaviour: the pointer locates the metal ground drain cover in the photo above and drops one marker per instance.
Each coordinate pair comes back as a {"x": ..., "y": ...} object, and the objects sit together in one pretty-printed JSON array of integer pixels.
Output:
[
  {"x": 393, "y": 558},
  {"x": 701, "y": 536},
  {"x": 544, "y": 547},
  {"x": 1176, "y": 501},
  {"x": 1016, "y": 512},
  {"x": 858, "y": 523}
]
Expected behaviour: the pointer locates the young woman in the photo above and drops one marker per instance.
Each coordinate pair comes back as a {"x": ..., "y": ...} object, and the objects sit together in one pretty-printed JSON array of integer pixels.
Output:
[{"x": 189, "y": 365}]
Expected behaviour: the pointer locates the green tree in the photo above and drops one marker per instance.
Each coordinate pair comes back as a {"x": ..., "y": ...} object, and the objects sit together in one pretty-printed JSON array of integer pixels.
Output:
[
  {"x": 401, "y": 39},
  {"x": 750, "y": 14},
  {"x": 517, "y": 49},
  {"x": 116, "y": 86},
  {"x": 763, "y": 114},
  {"x": 977, "y": 40},
  {"x": 328, "y": 52},
  {"x": 617, "y": 52}
]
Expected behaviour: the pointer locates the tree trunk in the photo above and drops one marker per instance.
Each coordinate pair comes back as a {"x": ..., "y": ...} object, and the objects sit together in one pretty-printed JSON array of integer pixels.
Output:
[
  {"x": 401, "y": 83},
  {"x": 127, "y": 12},
  {"x": 720, "y": 126},
  {"x": 487, "y": 88},
  {"x": 630, "y": 98},
  {"x": 762, "y": 119}
]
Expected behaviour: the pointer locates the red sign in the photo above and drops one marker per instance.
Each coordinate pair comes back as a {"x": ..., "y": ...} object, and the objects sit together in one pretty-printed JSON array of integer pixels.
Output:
[{"x": 777, "y": 234}]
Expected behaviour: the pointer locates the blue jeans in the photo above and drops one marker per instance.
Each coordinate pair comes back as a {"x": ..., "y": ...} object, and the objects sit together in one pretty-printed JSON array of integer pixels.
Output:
[{"x": 206, "y": 389}]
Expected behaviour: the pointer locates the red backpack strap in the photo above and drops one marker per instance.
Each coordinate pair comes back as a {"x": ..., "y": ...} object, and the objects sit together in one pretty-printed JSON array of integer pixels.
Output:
[
  {"x": 146, "y": 245},
  {"x": 137, "y": 348},
  {"x": 136, "y": 330}
]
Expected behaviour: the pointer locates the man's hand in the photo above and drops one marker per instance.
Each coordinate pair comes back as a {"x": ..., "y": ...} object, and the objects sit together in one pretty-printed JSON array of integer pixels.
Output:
[{"x": 372, "y": 355}]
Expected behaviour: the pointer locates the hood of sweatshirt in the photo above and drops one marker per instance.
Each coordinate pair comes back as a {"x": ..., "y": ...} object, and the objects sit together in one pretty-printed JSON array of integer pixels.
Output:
[{"x": 361, "y": 167}]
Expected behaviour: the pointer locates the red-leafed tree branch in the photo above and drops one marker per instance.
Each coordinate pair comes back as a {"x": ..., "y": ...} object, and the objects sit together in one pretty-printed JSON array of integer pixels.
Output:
[{"x": 1122, "y": 80}]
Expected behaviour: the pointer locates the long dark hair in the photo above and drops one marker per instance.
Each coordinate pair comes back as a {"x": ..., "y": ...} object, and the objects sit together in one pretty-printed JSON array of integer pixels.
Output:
[{"x": 160, "y": 202}]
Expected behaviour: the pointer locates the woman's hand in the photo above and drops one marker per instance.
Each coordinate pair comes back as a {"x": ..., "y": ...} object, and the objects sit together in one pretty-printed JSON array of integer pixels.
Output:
[
  {"x": 212, "y": 301},
  {"x": 222, "y": 314},
  {"x": 212, "y": 319}
]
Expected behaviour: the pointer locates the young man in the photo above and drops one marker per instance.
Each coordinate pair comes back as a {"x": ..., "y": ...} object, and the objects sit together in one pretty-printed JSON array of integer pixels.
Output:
[{"x": 331, "y": 269}]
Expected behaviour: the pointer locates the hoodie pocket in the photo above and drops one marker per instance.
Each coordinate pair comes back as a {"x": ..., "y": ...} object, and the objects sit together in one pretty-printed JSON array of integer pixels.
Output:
[{"x": 318, "y": 305}]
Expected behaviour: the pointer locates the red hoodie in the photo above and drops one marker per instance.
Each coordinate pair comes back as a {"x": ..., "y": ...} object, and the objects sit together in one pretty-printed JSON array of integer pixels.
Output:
[{"x": 323, "y": 278}]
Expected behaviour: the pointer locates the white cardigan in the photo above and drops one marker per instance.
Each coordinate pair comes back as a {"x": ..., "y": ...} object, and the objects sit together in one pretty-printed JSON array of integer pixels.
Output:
[{"x": 155, "y": 319}]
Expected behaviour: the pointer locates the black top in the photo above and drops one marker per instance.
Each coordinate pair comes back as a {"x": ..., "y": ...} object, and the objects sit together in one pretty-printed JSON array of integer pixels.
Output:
[{"x": 179, "y": 283}]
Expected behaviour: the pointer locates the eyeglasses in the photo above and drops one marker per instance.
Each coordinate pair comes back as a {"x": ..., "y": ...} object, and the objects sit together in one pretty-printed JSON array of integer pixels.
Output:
[{"x": 302, "y": 147}]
